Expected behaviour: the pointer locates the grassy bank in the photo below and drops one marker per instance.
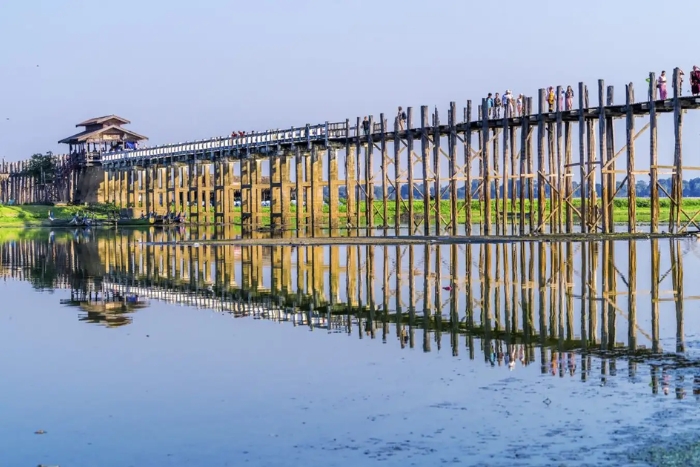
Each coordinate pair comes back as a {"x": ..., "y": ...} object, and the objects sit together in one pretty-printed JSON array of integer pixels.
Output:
[
  {"x": 32, "y": 216},
  {"x": 620, "y": 210},
  {"x": 28, "y": 216}
]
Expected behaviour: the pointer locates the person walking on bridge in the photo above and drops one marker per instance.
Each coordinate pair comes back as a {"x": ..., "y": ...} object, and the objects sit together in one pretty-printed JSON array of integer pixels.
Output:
[
  {"x": 661, "y": 84},
  {"x": 489, "y": 105},
  {"x": 695, "y": 81},
  {"x": 402, "y": 118},
  {"x": 365, "y": 126}
]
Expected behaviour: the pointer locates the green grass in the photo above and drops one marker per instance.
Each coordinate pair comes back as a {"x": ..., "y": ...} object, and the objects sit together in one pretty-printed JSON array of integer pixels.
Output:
[{"x": 30, "y": 215}]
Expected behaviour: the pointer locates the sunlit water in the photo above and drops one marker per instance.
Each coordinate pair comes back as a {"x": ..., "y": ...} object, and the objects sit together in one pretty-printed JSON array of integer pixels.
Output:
[{"x": 347, "y": 355}]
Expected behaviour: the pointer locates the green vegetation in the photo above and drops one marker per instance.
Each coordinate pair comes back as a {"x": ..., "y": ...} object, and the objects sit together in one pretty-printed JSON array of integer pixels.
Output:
[
  {"x": 29, "y": 215},
  {"x": 32, "y": 216}
]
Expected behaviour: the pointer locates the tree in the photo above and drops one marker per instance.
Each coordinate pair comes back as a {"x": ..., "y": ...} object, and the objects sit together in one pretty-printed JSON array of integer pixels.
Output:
[{"x": 42, "y": 168}]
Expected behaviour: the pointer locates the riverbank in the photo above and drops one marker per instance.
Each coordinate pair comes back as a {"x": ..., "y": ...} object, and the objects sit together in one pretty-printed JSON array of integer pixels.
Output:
[{"x": 33, "y": 215}]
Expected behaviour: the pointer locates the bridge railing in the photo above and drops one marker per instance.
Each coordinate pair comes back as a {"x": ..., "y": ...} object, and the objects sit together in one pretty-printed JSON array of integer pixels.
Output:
[{"x": 267, "y": 139}]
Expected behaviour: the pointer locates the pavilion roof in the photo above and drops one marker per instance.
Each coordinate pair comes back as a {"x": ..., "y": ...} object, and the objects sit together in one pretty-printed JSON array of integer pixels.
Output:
[
  {"x": 126, "y": 135},
  {"x": 98, "y": 120}
]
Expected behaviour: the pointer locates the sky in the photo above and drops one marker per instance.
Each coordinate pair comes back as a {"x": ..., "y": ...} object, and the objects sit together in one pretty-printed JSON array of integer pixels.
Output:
[{"x": 183, "y": 70}]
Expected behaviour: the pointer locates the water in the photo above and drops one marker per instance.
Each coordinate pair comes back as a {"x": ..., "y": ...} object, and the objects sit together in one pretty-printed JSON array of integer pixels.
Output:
[{"x": 511, "y": 354}]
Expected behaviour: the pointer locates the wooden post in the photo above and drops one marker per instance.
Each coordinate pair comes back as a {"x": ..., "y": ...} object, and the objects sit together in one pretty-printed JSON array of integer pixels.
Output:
[
  {"x": 524, "y": 134},
  {"x": 333, "y": 206},
  {"x": 677, "y": 178},
  {"x": 610, "y": 161},
  {"x": 486, "y": 171},
  {"x": 592, "y": 190},
  {"x": 495, "y": 173},
  {"x": 583, "y": 167},
  {"x": 275, "y": 188},
  {"x": 653, "y": 158},
  {"x": 385, "y": 176},
  {"x": 436, "y": 171},
  {"x": 568, "y": 181},
  {"x": 397, "y": 176},
  {"x": 468, "y": 167},
  {"x": 285, "y": 189},
  {"x": 505, "y": 179},
  {"x": 531, "y": 173},
  {"x": 603, "y": 155},
  {"x": 453, "y": 167},
  {"x": 541, "y": 195},
  {"x": 369, "y": 176},
  {"x": 246, "y": 195},
  {"x": 358, "y": 173},
  {"x": 349, "y": 185},
  {"x": 560, "y": 168},
  {"x": 631, "y": 182},
  {"x": 316, "y": 189},
  {"x": 425, "y": 158},
  {"x": 299, "y": 195},
  {"x": 410, "y": 158}
]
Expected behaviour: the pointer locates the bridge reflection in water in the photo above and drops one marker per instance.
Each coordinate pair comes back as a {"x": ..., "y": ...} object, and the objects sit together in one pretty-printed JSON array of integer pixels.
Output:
[{"x": 509, "y": 304}]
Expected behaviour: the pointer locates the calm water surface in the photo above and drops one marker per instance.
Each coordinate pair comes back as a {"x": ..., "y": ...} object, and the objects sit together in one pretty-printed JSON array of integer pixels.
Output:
[{"x": 130, "y": 353}]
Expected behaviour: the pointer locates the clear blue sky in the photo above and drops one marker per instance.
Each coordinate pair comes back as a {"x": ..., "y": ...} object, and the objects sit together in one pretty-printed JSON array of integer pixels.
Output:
[{"x": 183, "y": 70}]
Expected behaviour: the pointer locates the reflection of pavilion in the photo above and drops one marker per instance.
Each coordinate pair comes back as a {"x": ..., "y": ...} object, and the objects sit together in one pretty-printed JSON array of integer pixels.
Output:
[{"x": 108, "y": 308}]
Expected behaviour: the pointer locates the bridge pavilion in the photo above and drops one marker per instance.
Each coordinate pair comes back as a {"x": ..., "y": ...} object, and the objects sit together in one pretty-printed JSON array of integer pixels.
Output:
[{"x": 100, "y": 135}]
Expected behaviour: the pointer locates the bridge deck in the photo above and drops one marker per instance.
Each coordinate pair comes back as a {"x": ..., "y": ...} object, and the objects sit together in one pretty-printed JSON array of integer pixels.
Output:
[{"x": 269, "y": 143}]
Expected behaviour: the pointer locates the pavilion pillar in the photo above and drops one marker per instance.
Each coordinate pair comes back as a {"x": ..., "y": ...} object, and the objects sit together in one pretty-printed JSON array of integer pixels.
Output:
[
  {"x": 227, "y": 180},
  {"x": 255, "y": 193},
  {"x": 170, "y": 187},
  {"x": 246, "y": 194},
  {"x": 350, "y": 183},
  {"x": 285, "y": 189},
  {"x": 130, "y": 187},
  {"x": 147, "y": 189},
  {"x": 317, "y": 187},
  {"x": 192, "y": 190},
  {"x": 333, "y": 206},
  {"x": 308, "y": 202},
  {"x": 219, "y": 192},
  {"x": 276, "y": 192}
]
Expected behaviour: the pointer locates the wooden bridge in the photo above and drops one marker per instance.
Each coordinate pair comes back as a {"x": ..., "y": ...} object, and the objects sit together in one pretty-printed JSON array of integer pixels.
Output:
[
  {"x": 527, "y": 190},
  {"x": 464, "y": 175}
]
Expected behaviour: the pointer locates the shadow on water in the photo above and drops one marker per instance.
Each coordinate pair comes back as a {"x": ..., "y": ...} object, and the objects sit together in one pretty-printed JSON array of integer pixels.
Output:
[{"x": 557, "y": 305}]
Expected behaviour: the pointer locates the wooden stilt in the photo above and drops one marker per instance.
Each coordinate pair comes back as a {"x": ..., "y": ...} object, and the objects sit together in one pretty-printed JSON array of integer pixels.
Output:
[
  {"x": 453, "y": 168},
  {"x": 583, "y": 163},
  {"x": 677, "y": 177},
  {"x": 631, "y": 180},
  {"x": 486, "y": 170},
  {"x": 468, "y": 167},
  {"x": 541, "y": 195},
  {"x": 425, "y": 163},
  {"x": 409, "y": 168},
  {"x": 653, "y": 158}
]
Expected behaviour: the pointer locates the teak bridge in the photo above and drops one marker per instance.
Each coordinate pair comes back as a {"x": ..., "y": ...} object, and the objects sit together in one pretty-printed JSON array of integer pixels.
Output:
[{"x": 470, "y": 175}]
